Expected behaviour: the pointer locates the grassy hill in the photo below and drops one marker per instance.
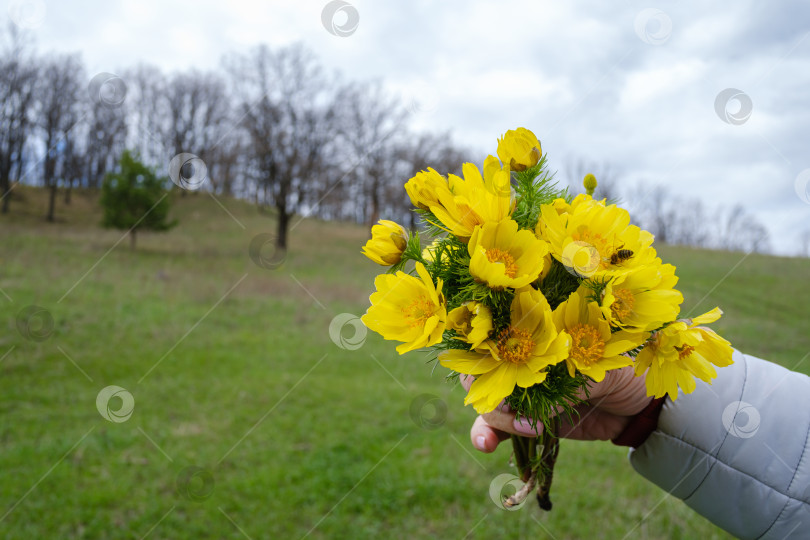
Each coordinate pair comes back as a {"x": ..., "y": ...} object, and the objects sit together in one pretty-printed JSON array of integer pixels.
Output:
[{"x": 249, "y": 421}]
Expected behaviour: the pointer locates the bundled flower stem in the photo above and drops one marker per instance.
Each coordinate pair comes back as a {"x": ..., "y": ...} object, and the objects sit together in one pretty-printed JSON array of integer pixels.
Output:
[
  {"x": 535, "y": 458},
  {"x": 536, "y": 294}
]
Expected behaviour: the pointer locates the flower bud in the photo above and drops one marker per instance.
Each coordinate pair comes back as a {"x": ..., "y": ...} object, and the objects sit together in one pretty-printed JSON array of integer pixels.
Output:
[
  {"x": 424, "y": 188},
  {"x": 519, "y": 149},
  {"x": 590, "y": 183},
  {"x": 388, "y": 241}
]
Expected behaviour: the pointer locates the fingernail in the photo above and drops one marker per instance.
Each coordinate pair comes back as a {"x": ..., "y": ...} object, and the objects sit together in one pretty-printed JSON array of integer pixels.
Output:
[
  {"x": 525, "y": 428},
  {"x": 481, "y": 443}
]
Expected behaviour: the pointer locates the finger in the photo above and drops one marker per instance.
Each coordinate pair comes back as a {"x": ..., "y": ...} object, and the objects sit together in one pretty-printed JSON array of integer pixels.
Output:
[
  {"x": 466, "y": 381},
  {"x": 620, "y": 393},
  {"x": 485, "y": 437}
]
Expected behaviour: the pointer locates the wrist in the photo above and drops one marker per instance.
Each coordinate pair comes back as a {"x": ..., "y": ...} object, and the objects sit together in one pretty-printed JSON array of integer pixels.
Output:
[{"x": 641, "y": 425}]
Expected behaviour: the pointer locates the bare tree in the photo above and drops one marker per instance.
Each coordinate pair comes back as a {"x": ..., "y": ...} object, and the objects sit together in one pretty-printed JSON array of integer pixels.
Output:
[
  {"x": 607, "y": 176},
  {"x": 18, "y": 74},
  {"x": 742, "y": 232},
  {"x": 59, "y": 111},
  {"x": 146, "y": 88},
  {"x": 690, "y": 224},
  {"x": 286, "y": 111},
  {"x": 197, "y": 114},
  {"x": 106, "y": 140},
  {"x": 368, "y": 124},
  {"x": 227, "y": 162},
  {"x": 653, "y": 211}
]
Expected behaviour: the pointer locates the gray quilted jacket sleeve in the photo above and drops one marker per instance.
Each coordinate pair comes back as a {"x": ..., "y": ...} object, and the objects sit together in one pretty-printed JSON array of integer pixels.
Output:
[{"x": 738, "y": 451}]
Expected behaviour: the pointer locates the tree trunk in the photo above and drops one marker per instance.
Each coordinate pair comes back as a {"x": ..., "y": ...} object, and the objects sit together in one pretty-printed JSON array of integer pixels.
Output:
[
  {"x": 283, "y": 225},
  {"x": 132, "y": 239},
  {"x": 5, "y": 188},
  {"x": 67, "y": 192},
  {"x": 375, "y": 203},
  {"x": 51, "y": 203},
  {"x": 6, "y": 196}
]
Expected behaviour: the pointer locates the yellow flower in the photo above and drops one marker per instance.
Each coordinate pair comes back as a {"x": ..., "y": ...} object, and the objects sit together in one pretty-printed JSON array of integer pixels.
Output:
[
  {"x": 594, "y": 349},
  {"x": 519, "y": 149},
  {"x": 472, "y": 321},
  {"x": 679, "y": 353},
  {"x": 502, "y": 256},
  {"x": 408, "y": 309},
  {"x": 518, "y": 355},
  {"x": 474, "y": 200},
  {"x": 642, "y": 299},
  {"x": 594, "y": 239},
  {"x": 423, "y": 189},
  {"x": 388, "y": 241}
]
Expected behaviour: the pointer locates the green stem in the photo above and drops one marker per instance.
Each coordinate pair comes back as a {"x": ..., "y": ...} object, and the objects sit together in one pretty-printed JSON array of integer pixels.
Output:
[{"x": 551, "y": 447}]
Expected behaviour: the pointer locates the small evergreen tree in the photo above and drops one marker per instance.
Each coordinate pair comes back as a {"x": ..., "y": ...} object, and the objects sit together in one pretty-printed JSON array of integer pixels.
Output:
[{"x": 135, "y": 198}]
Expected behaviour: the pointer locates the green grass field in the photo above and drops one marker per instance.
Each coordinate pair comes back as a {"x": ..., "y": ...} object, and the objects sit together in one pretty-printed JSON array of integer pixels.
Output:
[{"x": 248, "y": 420}]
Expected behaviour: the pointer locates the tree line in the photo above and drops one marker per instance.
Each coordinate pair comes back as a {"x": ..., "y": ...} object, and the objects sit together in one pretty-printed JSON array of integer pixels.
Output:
[
  {"x": 272, "y": 126},
  {"x": 673, "y": 218}
]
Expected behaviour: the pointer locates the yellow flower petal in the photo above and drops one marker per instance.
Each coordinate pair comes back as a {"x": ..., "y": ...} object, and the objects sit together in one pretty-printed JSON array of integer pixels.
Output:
[{"x": 408, "y": 309}]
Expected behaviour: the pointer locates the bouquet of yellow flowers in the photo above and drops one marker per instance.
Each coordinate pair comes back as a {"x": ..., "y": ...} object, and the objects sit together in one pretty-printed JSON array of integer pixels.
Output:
[{"x": 536, "y": 294}]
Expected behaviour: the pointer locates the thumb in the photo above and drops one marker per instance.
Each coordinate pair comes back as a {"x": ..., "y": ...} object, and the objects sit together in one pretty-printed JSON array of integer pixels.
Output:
[{"x": 486, "y": 437}]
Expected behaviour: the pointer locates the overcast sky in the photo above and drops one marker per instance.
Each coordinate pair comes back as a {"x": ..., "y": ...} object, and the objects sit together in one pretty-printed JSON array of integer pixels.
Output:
[{"x": 626, "y": 83}]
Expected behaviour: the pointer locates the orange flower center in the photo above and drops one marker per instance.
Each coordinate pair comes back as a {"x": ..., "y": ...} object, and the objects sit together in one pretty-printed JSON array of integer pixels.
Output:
[
  {"x": 587, "y": 346},
  {"x": 515, "y": 345},
  {"x": 419, "y": 311},
  {"x": 623, "y": 304},
  {"x": 684, "y": 351},
  {"x": 496, "y": 255}
]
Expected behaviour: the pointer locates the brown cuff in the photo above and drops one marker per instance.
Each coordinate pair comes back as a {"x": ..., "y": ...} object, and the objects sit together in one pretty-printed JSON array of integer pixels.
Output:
[{"x": 641, "y": 425}]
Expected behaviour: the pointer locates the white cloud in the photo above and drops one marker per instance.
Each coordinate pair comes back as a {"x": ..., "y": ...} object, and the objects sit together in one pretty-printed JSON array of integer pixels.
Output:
[{"x": 577, "y": 74}]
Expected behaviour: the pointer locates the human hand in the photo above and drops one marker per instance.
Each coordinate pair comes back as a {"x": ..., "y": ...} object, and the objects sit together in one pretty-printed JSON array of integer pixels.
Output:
[{"x": 612, "y": 404}]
